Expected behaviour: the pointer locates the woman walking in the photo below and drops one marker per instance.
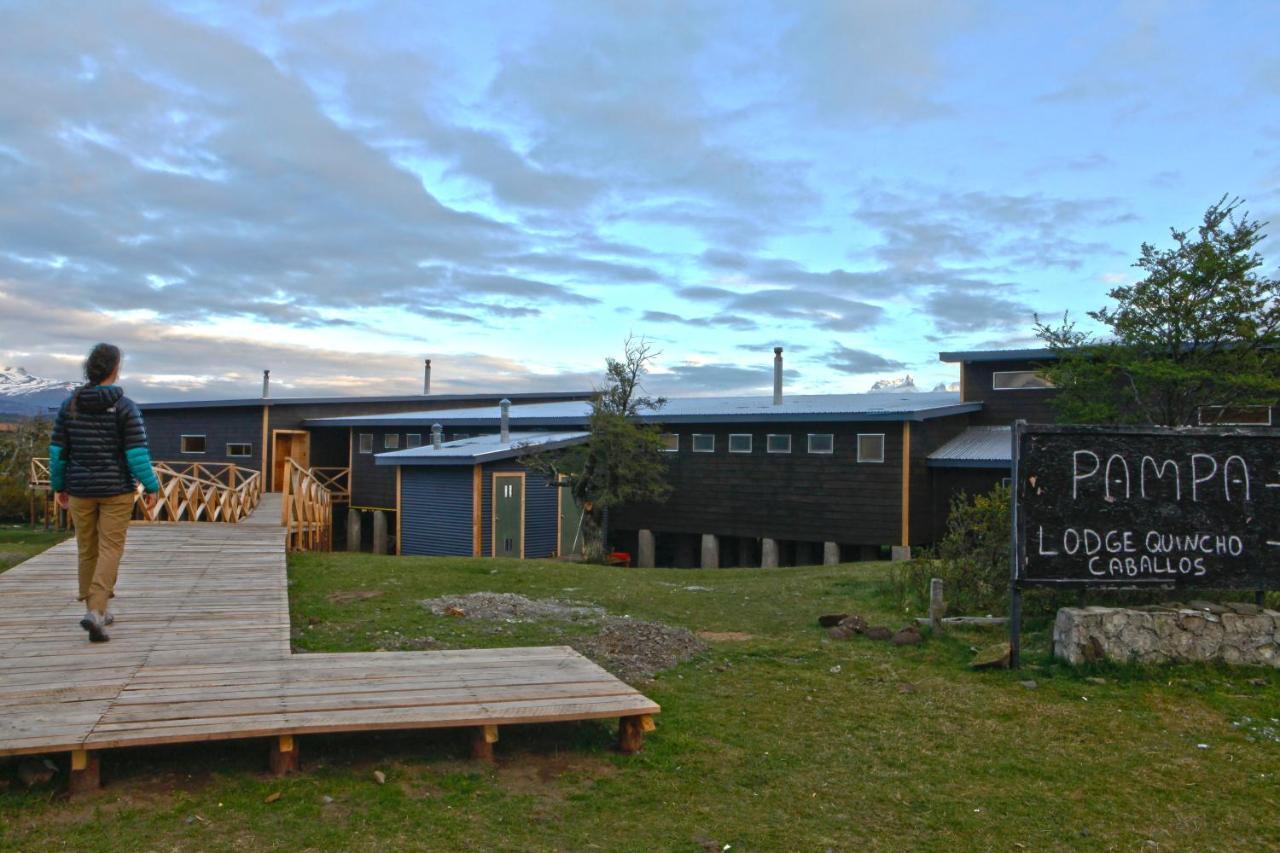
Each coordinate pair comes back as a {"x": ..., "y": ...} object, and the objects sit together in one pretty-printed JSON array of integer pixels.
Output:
[{"x": 97, "y": 457}]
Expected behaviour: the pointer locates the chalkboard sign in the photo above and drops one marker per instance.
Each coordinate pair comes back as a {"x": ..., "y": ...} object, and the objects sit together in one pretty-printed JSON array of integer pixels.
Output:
[{"x": 1115, "y": 507}]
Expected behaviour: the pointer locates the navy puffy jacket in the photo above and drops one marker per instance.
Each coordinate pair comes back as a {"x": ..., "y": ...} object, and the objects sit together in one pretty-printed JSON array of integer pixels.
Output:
[{"x": 100, "y": 450}]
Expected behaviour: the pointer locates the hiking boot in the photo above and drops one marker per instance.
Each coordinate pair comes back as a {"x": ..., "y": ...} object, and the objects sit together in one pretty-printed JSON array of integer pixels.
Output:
[{"x": 94, "y": 624}]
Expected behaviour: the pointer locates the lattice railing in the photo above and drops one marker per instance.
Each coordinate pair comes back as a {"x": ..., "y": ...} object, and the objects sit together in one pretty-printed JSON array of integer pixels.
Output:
[
  {"x": 189, "y": 491},
  {"x": 307, "y": 511},
  {"x": 337, "y": 481}
]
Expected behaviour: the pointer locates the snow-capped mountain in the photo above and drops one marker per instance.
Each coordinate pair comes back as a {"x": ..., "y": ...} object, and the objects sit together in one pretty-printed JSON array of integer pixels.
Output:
[
  {"x": 903, "y": 383},
  {"x": 944, "y": 386},
  {"x": 24, "y": 394}
]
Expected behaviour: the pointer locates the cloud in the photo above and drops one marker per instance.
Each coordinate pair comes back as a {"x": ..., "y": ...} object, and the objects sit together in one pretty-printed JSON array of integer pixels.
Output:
[
  {"x": 847, "y": 360},
  {"x": 691, "y": 379}
]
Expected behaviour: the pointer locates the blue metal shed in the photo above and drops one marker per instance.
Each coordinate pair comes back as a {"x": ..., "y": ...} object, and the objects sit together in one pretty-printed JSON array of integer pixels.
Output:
[{"x": 461, "y": 498}]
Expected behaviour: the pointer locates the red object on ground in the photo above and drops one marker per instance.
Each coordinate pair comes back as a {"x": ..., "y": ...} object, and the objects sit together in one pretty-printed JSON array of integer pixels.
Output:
[{"x": 620, "y": 558}]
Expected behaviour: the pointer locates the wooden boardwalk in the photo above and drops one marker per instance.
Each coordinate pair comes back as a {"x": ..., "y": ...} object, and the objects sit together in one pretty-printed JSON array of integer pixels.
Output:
[{"x": 200, "y": 651}]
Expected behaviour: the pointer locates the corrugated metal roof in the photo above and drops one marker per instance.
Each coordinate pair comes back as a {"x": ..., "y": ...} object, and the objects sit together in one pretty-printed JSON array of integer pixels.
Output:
[
  {"x": 889, "y": 406},
  {"x": 1041, "y": 354},
  {"x": 481, "y": 448},
  {"x": 326, "y": 401},
  {"x": 976, "y": 447}
]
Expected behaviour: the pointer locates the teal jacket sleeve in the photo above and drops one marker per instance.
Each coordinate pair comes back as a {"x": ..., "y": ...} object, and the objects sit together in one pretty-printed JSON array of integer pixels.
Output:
[
  {"x": 136, "y": 452},
  {"x": 58, "y": 452}
]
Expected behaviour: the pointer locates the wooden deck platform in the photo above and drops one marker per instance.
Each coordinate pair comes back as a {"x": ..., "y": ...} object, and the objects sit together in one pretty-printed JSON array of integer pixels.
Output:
[{"x": 200, "y": 651}]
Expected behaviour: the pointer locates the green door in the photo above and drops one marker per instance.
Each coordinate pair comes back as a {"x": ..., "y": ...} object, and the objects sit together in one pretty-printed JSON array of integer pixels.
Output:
[
  {"x": 508, "y": 512},
  {"x": 570, "y": 524}
]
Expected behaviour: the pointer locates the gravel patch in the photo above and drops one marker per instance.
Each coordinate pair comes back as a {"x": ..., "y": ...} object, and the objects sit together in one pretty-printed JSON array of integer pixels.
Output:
[
  {"x": 512, "y": 607},
  {"x": 631, "y": 649},
  {"x": 637, "y": 651}
]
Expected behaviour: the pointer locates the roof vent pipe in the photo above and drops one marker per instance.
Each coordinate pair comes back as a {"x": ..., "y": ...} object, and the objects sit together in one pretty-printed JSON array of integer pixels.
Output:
[
  {"x": 777, "y": 376},
  {"x": 437, "y": 436},
  {"x": 426, "y": 377},
  {"x": 266, "y": 384},
  {"x": 505, "y": 435}
]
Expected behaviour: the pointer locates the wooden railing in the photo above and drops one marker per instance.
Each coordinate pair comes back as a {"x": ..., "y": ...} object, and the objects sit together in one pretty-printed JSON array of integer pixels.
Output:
[
  {"x": 337, "y": 481},
  {"x": 307, "y": 511},
  {"x": 204, "y": 491},
  {"x": 189, "y": 491}
]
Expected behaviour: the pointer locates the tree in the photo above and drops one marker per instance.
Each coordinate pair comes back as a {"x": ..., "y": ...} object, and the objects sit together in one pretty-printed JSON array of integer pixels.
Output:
[
  {"x": 1202, "y": 329},
  {"x": 622, "y": 462},
  {"x": 28, "y": 438}
]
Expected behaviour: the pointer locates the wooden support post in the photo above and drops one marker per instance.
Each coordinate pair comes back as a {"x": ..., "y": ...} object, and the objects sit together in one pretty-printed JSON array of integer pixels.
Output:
[
  {"x": 86, "y": 775},
  {"x": 284, "y": 757},
  {"x": 482, "y": 740},
  {"x": 631, "y": 732}
]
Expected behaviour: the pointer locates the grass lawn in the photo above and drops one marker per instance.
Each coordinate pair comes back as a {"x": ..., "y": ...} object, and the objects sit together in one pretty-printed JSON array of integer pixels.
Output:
[
  {"x": 785, "y": 740},
  {"x": 18, "y": 542}
]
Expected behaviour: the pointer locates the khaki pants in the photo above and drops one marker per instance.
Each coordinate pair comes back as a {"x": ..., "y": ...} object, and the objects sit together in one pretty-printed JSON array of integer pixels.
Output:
[{"x": 101, "y": 525}]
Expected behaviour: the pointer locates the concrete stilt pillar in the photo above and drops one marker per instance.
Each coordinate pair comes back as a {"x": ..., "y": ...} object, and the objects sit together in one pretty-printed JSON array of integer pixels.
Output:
[
  {"x": 900, "y": 553},
  {"x": 768, "y": 553},
  {"x": 379, "y": 531},
  {"x": 746, "y": 552},
  {"x": 644, "y": 549},
  {"x": 354, "y": 529},
  {"x": 830, "y": 553},
  {"x": 710, "y": 551}
]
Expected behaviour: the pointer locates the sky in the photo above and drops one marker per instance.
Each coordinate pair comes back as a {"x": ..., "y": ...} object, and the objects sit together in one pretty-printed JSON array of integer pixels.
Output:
[{"x": 336, "y": 191}]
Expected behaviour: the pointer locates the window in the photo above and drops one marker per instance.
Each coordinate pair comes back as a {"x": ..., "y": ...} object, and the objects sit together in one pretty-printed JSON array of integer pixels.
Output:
[
  {"x": 193, "y": 444},
  {"x": 740, "y": 442},
  {"x": 391, "y": 441},
  {"x": 239, "y": 449},
  {"x": 871, "y": 447},
  {"x": 671, "y": 442},
  {"x": 822, "y": 442},
  {"x": 777, "y": 443},
  {"x": 366, "y": 442},
  {"x": 1235, "y": 415},
  {"x": 1019, "y": 380},
  {"x": 704, "y": 442},
  {"x": 413, "y": 439}
]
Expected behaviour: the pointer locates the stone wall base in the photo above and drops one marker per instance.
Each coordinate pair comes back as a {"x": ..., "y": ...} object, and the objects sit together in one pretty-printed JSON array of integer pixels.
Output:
[{"x": 1236, "y": 633}]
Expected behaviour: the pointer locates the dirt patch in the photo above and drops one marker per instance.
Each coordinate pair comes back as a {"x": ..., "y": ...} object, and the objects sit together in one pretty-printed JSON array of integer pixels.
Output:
[
  {"x": 637, "y": 651},
  {"x": 511, "y": 607},
  {"x": 725, "y": 636},
  {"x": 552, "y": 775},
  {"x": 346, "y": 596}
]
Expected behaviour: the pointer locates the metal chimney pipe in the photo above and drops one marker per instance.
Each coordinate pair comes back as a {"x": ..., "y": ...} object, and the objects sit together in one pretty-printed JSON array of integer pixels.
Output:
[
  {"x": 426, "y": 377},
  {"x": 505, "y": 434},
  {"x": 266, "y": 384},
  {"x": 437, "y": 435},
  {"x": 777, "y": 376}
]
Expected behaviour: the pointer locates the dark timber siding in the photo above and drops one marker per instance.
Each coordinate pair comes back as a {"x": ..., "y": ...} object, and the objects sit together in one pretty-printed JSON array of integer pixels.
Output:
[
  {"x": 926, "y": 437},
  {"x": 801, "y": 496},
  {"x": 435, "y": 508},
  {"x": 239, "y": 425},
  {"x": 373, "y": 485},
  {"x": 540, "y": 511},
  {"x": 1005, "y": 407}
]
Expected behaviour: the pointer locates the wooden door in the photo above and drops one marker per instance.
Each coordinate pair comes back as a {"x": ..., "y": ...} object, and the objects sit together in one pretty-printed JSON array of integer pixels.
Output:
[
  {"x": 288, "y": 445},
  {"x": 508, "y": 515}
]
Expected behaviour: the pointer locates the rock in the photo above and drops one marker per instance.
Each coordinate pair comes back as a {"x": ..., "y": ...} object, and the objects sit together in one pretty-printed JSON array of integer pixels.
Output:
[
  {"x": 454, "y": 611},
  {"x": 1193, "y": 634},
  {"x": 832, "y": 619},
  {"x": 878, "y": 632},
  {"x": 36, "y": 771},
  {"x": 854, "y": 623},
  {"x": 1258, "y": 682},
  {"x": 1244, "y": 608},
  {"x": 326, "y": 799},
  {"x": 906, "y": 688},
  {"x": 1096, "y": 680},
  {"x": 995, "y": 656},
  {"x": 908, "y": 636},
  {"x": 835, "y": 670},
  {"x": 272, "y": 797},
  {"x": 839, "y": 632},
  {"x": 1030, "y": 685},
  {"x": 380, "y": 777}
]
